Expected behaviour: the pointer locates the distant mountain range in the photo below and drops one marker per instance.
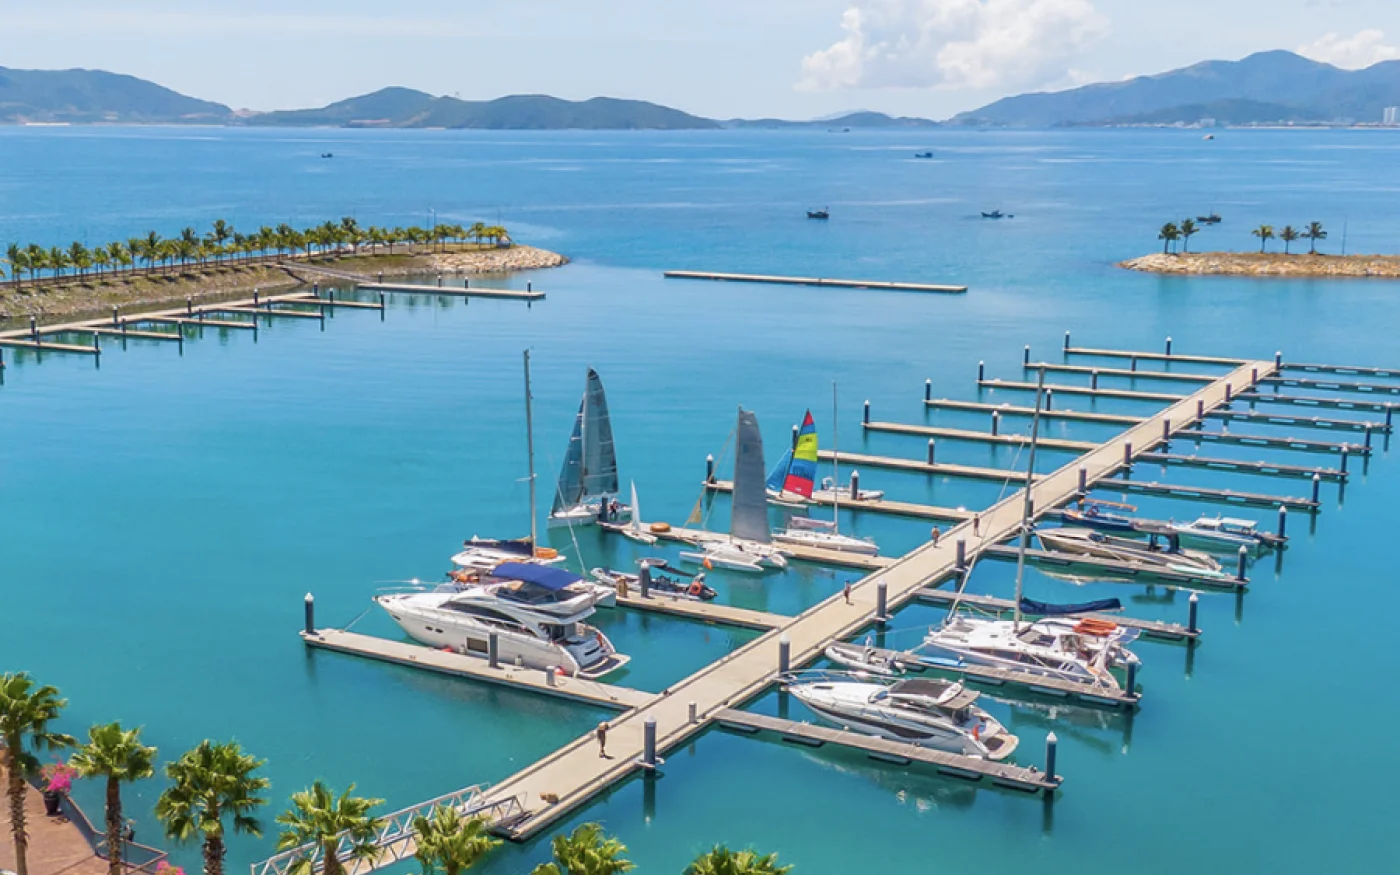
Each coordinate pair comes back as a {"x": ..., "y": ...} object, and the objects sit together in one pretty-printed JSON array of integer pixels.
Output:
[{"x": 1265, "y": 88}]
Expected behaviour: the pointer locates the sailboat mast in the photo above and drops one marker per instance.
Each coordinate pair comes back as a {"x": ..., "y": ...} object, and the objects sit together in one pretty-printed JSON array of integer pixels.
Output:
[
  {"x": 530, "y": 450},
  {"x": 835, "y": 466},
  {"x": 1029, "y": 506}
]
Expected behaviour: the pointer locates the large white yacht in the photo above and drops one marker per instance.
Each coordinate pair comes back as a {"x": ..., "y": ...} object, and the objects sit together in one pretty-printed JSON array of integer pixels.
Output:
[
  {"x": 934, "y": 713},
  {"x": 1067, "y": 648},
  {"x": 536, "y": 612}
]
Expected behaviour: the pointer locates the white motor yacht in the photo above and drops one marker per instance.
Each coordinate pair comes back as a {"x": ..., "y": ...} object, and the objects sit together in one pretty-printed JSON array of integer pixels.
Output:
[
  {"x": 484, "y": 554},
  {"x": 1160, "y": 550},
  {"x": 1224, "y": 533},
  {"x": 1070, "y": 649},
  {"x": 934, "y": 713},
  {"x": 537, "y": 614}
]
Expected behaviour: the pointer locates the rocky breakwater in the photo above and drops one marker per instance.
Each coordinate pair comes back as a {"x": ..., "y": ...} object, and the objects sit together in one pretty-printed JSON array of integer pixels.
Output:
[
  {"x": 496, "y": 260},
  {"x": 1267, "y": 264}
]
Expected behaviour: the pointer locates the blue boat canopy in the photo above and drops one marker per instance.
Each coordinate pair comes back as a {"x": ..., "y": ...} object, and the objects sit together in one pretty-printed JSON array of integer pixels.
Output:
[
  {"x": 1046, "y": 609},
  {"x": 539, "y": 575}
]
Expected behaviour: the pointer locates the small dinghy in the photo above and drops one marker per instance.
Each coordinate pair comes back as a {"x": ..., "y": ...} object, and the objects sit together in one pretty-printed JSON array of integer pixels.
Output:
[{"x": 864, "y": 657}]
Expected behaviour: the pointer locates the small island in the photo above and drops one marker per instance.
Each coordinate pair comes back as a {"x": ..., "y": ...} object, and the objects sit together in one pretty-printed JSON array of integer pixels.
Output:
[{"x": 1176, "y": 256}]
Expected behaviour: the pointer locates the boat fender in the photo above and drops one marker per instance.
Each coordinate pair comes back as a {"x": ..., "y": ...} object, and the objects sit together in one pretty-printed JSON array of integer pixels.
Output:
[
  {"x": 546, "y": 553},
  {"x": 660, "y": 528},
  {"x": 695, "y": 588}
]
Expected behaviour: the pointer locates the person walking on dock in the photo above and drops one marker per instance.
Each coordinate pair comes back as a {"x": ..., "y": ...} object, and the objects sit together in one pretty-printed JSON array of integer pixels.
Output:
[
  {"x": 934, "y": 535},
  {"x": 846, "y": 591},
  {"x": 602, "y": 733},
  {"x": 976, "y": 524}
]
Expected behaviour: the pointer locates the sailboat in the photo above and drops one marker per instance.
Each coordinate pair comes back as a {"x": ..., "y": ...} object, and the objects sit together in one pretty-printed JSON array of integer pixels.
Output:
[
  {"x": 791, "y": 483},
  {"x": 633, "y": 531},
  {"x": 1066, "y": 648},
  {"x": 484, "y": 554},
  {"x": 749, "y": 544},
  {"x": 588, "y": 488},
  {"x": 810, "y": 532}
]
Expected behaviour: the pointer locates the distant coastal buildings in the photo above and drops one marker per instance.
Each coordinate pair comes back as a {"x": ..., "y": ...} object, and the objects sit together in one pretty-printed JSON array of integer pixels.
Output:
[{"x": 1391, "y": 116}]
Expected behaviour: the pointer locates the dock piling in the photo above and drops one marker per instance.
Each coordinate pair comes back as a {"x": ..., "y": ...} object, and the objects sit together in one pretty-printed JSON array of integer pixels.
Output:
[
  {"x": 1066, "y": 341},
  {"x": 962, "y": 555},
  {"x": 930, "y": 452},
  {"x": 1366, "y": 436},
  {"x": 1344, "y": 459},
  {"x": 867, "y": 411},
  {"x": 1278, "y": 360},
  {"x": 466, "y": 282},
  {"x": 1049, "y": 399},
  {"x": 310, "y": 603},
  {"x": 381, "y": 277},
  {"x": 316, "y": 290},
  {"x": 529, "y": 287},
  {"x": 1227, "y": 393},
  {"x": 549, "y": 671},
  {"x": 928, "y": 390},
  {"x": 855, "y": 486},
  {"x": 1169, "y": 345},
  {"x": 996, "y": 423},
  {"x": 1200, "y": 409},
  {"x": 189, "y": 306},
  {"x": 694, "y": 715},
  {"x": 1317, "y": 487},
  {"x": 881, "y": 601},
  {"x": 1243, "y": 561},
  {"x": 1094, "y": 380},
  {"x": 1051, "y": 743},
  {"x": 1193, "y": 604},
  {"x": 1132, "y": 363},
  {"x": 439, "y": 280},
  {"x": 710, "y": 468},
  {"x": 1282, "y": 521},
  {"x": 1166, "y": 430},
  {"x": 1253, "y": 376},
  {"x": 649, "y": 743},
  {"x": 1128, "y": 454},
  {"x": 1026, "y": 355},
  {"x": 116, "y": 318},
  {"x": 1389, "y": 413},
  {"x": 1083, "y": 482},
  {"x": 1131, "y": 686},
  {"x": 493, "y": 650},
  {"x": 784, "y": 654},
  {"x": 256, "y": 302},
  {"x": 34, "y": 329}
]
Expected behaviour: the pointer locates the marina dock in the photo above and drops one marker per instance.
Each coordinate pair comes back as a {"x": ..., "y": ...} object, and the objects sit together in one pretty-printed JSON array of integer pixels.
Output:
[
  {"x": 1202, "y": 493},
  {"x": 1386, "y": 407},
  {"x": 817, "y": 555},
  {"x": 885, "y": 750},
  {"x": 464, "y": 291},
  {"x": 1062, "y": 389},
  {"x": 876, "y": 505},
  {"x": 1013, "y": 410},
  {"x": 708, "y": 612},
  {"x": 813, "y": 281},
  {"x": 971, "y": 472},
  {"x": 1157, "y": 356},
  {"x": 1360, "y": 388},
  {"x": 961, "y": 434},
  {"x": 1130, "y": 373},
  {"x": 1150, "y": 628}
]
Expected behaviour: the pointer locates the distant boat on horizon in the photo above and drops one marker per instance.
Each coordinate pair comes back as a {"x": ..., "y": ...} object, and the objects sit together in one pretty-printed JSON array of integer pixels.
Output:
[{"x": 823, "y": 213}]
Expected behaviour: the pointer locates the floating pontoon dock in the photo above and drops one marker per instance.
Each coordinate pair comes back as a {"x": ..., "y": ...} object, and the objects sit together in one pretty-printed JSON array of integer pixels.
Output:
[
  {"x": 813, "y": 281},
  {"x": 698, "y": 537},
  {"x": 662, "y": 602},
  {"x": 875, "y": 505}
]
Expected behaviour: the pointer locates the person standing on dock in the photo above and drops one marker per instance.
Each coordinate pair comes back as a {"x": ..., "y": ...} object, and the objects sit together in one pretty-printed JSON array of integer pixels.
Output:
[
  {"x": 602, "y": 733},
  {"x": 934, "y": 535},
  {"x": 976, "y": 524},
  {"x": 846, "y": 591}
]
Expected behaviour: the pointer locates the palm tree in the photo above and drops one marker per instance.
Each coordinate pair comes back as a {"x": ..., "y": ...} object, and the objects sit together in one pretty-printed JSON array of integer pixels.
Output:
[
  {"x": 222, "y": 231},
  {"x": 1314, "y": 234},
  {"x": 58, "y": 261},
  {"x": 586, "y": 851},
  {"x": 18, "y": 260},
  {"x": 207, "y": 782},
  {"x": 120, "y": 254},
  {"x": 1169, "y": 235},
  {"x": 37, "y": 257},
  {"x": 101, "y": 259},
  {"x": 117, "y": 755},
  {"x": 150, "y": 249},
  {"x": 448, "y": 843},
  {"x": 1265, "y": 233},
  {"x": 25, "y": 713},
  {"x": 722, "y": 861},
  {"x": 477, "y": 231},
  {"x": 319, "y": 818},
  {"x": 1288, "y": 235},
  {"x": 1187, "y": 228}
]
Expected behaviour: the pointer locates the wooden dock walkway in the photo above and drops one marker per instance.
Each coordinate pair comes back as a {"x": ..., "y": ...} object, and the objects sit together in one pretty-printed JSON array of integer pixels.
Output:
[
  {"x": 1162, "y": 357},
  {"x": 1202, "y": 493},
  {"x": 971, "y": 472},
  {"x": 1149, "y": 628},
  {"x": 1263, "y": 469},
  {"x": 1014, "y": 410},
  {"x": 877, "y": 505},
  {"x": 708, "y": 612},
  {"x": 1332, "y": 385},
  {"x": 463, "y": 292},
  {"x": 1128, "y": 570},
  {"x": 1133, "y": 373},
  {"x": 1317, "y": 422},
  {"x": 476, "y": 668},
  {"x": 897, "y": 752},
  {"x": 1345, "y": 370},
  {"x": 1062, "y": 389},
  {"x": 1320, "y": 403},
  {"x": 814, "y": 281},
  {"x": 968, "y": 435},
  {"x": 50, "y": 346},
  {"x": 1301, "y": 445}
]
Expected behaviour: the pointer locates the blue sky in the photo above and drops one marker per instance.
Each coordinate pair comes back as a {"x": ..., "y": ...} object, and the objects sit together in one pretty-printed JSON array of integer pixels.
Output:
[{"x": 788, "y": 58}]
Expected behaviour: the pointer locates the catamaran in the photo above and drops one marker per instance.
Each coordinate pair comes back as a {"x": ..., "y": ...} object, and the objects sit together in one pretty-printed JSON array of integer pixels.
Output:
[
  {"x": 536, "y": 614},
  {"x": 1081, "y": 650},
  {"x": 749, "y": 544},
  {"x": 588, "y": 487},
  {"x": 934, "y": 713},
  {"x": 1159, "y": 551},
  {"x": 805, "y": 531},
  {"x": 484, "y": 554}
]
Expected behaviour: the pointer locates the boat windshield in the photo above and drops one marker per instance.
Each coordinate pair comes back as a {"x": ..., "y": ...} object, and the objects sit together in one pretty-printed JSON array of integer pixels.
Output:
[{"x": 533, "y": 594}]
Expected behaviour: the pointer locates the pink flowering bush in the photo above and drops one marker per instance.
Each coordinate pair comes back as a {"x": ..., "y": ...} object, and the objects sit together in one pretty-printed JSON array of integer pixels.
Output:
[
  {"x": 58, "y": 777},
  {"x": 164, "y": 868}
]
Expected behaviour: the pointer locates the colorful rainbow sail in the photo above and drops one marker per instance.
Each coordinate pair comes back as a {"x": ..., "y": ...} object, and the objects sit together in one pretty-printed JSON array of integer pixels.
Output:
[{"x": 801, "y": 474}]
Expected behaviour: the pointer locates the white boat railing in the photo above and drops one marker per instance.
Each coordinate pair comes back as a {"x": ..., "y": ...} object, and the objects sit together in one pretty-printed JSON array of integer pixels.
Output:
[{"x": 395, "y": 840}]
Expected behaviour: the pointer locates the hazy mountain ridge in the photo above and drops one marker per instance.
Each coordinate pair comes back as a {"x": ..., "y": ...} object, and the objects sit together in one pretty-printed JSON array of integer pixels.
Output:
[
  {"x": 1231, "y": 92},
  {"x": 79, "y": 96}
]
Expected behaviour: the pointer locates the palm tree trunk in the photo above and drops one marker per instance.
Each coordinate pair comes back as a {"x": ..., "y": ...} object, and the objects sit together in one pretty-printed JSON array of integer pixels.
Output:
[
  {"x": 16, "y": 791},
  {"x": 330, "y": 862},
  {"x": 115, "y": 845},
  {"x": 214, "y": 855}
]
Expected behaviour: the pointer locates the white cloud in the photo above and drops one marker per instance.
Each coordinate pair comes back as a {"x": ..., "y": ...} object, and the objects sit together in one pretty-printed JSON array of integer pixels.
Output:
[
  {"x": 954, "y": 44},
  {"x": 1363, "y": 49}
]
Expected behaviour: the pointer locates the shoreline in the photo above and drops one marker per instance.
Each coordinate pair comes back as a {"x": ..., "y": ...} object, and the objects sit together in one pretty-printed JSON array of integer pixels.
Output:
[
  {"x": 92, "y": 298},
  {"x": 1267, "y": 265}
]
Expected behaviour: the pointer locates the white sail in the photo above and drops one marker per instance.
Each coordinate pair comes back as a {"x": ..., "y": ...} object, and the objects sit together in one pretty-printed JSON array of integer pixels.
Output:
[{"x": 749, "y": 517}]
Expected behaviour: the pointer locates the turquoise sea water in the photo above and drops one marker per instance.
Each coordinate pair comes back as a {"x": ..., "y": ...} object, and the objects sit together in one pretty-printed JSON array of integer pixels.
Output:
[{"x": 164, "y": 515}]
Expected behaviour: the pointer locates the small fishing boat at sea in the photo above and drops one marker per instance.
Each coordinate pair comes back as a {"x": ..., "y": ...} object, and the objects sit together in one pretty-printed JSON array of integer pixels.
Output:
[
  {"x": 681, "y": 587},
  {"x": 994, "y": 214},
  {"x": 923, "y": 154},
  {"x": 1212, "y": 219},
  {"x": 823, "y": 213},
  {"x": 1159, "y": 551},
  {"x": 749, "y": 544},
  {"x": 588, "y": 485},
  {"x": 536, "y": 614},
  {"x": 939, "y": 714}
]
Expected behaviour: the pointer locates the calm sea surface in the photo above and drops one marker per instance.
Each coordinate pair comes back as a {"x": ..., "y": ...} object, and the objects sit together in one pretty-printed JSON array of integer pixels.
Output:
[{"x": 163, "y": 516}]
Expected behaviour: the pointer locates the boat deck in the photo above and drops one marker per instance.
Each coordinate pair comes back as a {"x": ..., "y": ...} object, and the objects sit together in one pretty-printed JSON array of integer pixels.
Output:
[
  {"x": 886, "y": 750},
  {"x": 1131, "y": 571}
]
